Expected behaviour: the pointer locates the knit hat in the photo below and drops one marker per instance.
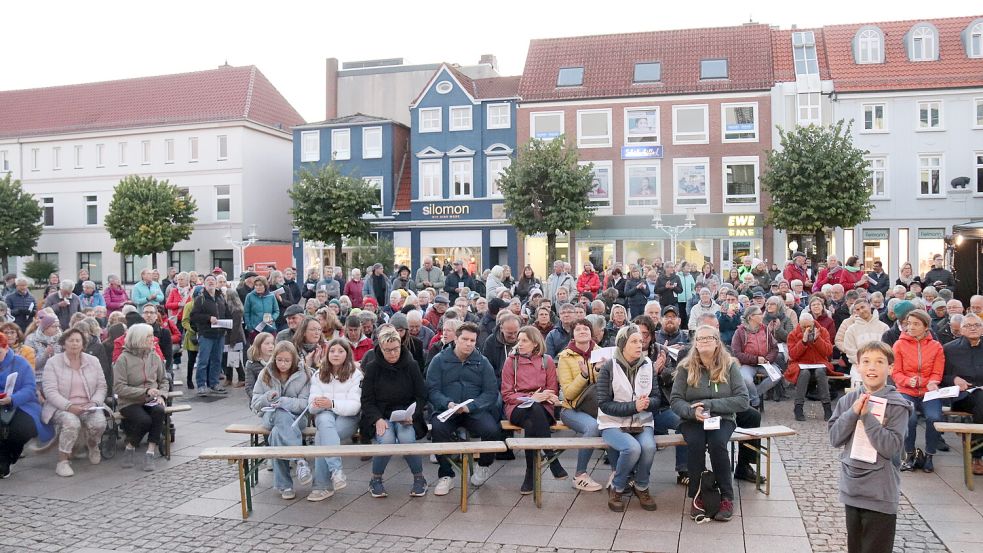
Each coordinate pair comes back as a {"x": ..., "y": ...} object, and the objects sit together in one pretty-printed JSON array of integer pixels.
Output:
[
  {"x": 496, "y": 305},
  {"x": 938, "y": 303},
  {"x": 903, "y": 308},
  {"x": 369, "y": 301},
  {"x": 334, "y": 301},
  {"x": 535, "y": 292},
  {"x": 398, "y": 320},
  {"x": 46, "y": 321},
  {"x": 622, "y": 338}
]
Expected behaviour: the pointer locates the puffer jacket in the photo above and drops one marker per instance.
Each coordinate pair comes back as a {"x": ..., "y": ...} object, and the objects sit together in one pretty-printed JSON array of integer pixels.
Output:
[
  {"x": 134, "y": 373},
  {"x": 256, "y": 306},
  {"x": 346, "y": 397},
  {"x": 387, "y": 387},
  {"x": 923, "y": 359},
  {"x": 571, "y": 380},
  {"x": 816, "y": 352},
  {"x": 292, "y": 395},
  {"x": 451, "y": 380}
]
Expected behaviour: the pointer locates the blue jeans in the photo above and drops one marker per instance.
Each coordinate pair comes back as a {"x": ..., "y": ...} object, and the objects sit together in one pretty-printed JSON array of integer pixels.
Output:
[
  {"x": 331, "y": 430},
  {"x": 665, "y": 421},
  {"x": 397, "y": 433},
  {"x": 284, "y": 433},
  {"x": 755, "y": 391},
  {"x": 209, "y": 365},
  {"x": 634, "y": 453},
  {"x": 933, "y": 414},
  {"x": 584, "y": 425}
]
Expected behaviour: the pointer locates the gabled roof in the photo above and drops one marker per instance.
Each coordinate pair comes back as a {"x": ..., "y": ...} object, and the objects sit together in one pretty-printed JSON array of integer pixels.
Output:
[
  {"x": 609, "y": 62},
  {"x": 497, "y": 88},
  {"x": 356, "y": 119},
  {"x": 463, "y": 81},
  {"x": 781, "y": 52},
  {"x": 953, "y": 69},
  {"x": 223, "y": 94}
]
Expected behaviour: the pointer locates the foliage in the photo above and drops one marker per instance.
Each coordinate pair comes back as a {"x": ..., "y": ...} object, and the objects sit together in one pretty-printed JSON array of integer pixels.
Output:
[
  {"x": 39, "y": 270},
  {"x": 368, "y": 252},
  {"x": 546, "y": 191},
  {"x": 147, "y": 216},
  {"x": 20, "y": 221},
  {"x": 818, "y": 180}
]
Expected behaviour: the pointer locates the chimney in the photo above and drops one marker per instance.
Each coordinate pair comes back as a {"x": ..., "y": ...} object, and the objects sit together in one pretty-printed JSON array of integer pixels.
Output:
[
  {"x": 489, "y": 59},
  {"x": 331, "y": 88}
]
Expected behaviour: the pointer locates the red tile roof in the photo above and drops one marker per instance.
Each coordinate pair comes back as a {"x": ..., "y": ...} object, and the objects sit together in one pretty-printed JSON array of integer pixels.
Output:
[
  {"x": 497, "y": 87},
  {"x": 952, "y": 70},
  {"x": 609, "y": 62},
  {"x": 781, "y": 52},
  {"x": 223, "y": 94}
]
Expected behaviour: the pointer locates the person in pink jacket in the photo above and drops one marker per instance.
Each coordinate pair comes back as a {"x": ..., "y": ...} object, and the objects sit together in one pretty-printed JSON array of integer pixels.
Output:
[{"x": 114, "y": 294}]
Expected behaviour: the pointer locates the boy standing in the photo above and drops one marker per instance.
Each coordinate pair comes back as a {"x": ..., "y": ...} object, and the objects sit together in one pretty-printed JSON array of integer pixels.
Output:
[{"x": 869, "y": 483}]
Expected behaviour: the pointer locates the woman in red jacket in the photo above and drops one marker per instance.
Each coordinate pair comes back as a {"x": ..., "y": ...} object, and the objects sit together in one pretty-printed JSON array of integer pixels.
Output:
[
  {"x": 589, "y": 281},
  {"x": 809, "y": 349},
  {"x": 817, "y": 308},
  {"x": 852, "y": 276},
  {"x": 918, "y": 364}
]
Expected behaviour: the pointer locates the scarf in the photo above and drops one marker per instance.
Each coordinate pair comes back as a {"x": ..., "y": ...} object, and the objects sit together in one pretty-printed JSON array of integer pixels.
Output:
[
  {"x": 572, "y": 346},
  {"x": 850, "y": 269},
  {"x": 630, "y": 368}
]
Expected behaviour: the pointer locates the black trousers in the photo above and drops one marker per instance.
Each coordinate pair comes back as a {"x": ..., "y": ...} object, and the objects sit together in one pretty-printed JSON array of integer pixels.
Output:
[
  {"x": 749, "y": 418},
  {"x": 228, "y": 370},
  {"x": 973, "y": 403},
  {"x": 535, "y": 422},
  {"x": 869, "y": 531},
  {"x": 698, "y": 443},
  {"x": 140, "y": 420},
  {"x": 192, "y": 359},
  {"x": 20, "y": 431},
  {"x": 483, "y": 425}
]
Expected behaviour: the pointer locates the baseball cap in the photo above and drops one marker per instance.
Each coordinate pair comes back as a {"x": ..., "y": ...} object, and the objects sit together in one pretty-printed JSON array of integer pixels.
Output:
[{"x": 669, "y": 308}]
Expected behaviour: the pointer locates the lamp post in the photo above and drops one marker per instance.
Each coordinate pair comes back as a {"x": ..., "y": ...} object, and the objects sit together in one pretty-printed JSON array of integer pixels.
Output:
[
  {"x": 241, "y": 245},
  {"x": 673, "y": 230}
]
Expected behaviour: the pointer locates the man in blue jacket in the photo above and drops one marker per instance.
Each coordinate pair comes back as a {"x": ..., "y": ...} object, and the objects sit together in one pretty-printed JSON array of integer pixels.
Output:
[{"x": 459, "y": 373}]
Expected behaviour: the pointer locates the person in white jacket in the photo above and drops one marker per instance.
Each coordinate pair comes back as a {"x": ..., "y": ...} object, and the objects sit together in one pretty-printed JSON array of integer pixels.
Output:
[
  {"x": 865, "y": 328},
  {"x": 335, "y": 404}
]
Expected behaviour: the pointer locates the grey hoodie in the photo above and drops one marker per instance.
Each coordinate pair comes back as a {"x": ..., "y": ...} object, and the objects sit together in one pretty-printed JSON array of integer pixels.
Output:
[
  {"x": 292, "y": 395},
  {"x": 873, "y": 486}
]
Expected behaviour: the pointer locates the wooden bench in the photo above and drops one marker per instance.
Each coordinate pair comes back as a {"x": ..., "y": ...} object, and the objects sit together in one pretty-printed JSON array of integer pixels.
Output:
[
  {"x": 256, "y": 431},
  {"x": 560, "y": 444},
  {"x": 956, "y": 416},
  {"x": 248, "y": 458},
  {"x": 508, "y": 426},
  {"x": 966, "y": 432},
  {"x": 165, "y": 447}
]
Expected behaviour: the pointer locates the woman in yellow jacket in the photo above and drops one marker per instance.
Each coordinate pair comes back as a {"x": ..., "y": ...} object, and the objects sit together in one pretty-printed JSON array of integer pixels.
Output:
[{"x": 577, "y": 375}]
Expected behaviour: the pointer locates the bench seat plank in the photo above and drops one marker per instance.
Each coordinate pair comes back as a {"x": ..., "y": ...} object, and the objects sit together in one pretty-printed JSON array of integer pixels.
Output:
[
  {"x": 259, "y": 430},
  {"x": 959, "y": 427},
  {"x": 288, "y": 452},
  {"x": 558, "y": 427}
]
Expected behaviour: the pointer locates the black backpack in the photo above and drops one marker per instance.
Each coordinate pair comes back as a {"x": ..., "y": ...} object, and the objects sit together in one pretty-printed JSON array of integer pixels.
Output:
[{"x": 709, "y": 493}]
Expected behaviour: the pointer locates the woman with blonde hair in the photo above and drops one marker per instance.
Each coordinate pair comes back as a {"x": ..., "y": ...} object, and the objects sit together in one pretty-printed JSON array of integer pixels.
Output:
[
  {"x": 257, "y": 357},
  {"x": 907, "y": 276},
  {"x": 15, "y": 339}
]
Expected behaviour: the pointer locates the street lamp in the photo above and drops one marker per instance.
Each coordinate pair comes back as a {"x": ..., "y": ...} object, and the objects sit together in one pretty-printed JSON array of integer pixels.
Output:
[
  {"x": 241, "y": 245},
  {"x": 673, "y": 230}
]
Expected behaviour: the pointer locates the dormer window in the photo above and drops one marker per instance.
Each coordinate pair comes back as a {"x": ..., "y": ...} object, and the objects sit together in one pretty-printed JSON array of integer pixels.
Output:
[
  {"x": 804, "y": 53},
  {"x": 570, "y": 76},
  {"x": 973, "y": 39},
  {"x": 869, "y": 46},
  {"x": 713, "y": 69},
  {"x": 923, "y": 45},
  {"x": 649, "y": 72}
]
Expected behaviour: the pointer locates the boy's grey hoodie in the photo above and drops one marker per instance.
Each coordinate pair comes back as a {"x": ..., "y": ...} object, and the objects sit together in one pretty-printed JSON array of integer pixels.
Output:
[{"x": 873, "y": 486}]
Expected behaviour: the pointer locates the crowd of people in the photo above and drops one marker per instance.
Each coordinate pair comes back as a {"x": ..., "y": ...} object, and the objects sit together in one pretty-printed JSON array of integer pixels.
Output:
[{"x": 625, "y": 352}]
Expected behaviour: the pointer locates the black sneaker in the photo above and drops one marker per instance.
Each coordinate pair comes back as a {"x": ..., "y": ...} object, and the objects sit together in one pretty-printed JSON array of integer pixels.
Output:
[
  {"x": 942, "y": 446},
  {"x": 908, "y": 462},
  {"x": 747, "y": 474},
  {"x": 527, "y": 484},
  {"x": 556, "y": 469},
  {"x": 799, "y": 413}
]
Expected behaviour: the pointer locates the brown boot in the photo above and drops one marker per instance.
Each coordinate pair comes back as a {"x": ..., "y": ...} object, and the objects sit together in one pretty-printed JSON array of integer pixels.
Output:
[
  {"x": 645, "y": 500},
  {"x": 617, "y": 501}
]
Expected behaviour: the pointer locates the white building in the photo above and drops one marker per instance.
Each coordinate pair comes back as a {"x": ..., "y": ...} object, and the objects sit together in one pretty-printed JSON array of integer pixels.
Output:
[{"x": 223, "y": 135}]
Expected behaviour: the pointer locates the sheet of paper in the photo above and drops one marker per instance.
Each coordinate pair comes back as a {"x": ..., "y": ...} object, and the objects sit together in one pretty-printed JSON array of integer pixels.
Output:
[
  {"x": 8, "y": 387},
  {"x": 526, "y": 402},
  {"x": 862, "y": 449},
  {"x": 450, "y": 412},
  {"x": 748, "y": 431},
  {"x": 713, "y": 423},
  {"x": 259, "y": 327},
  {"x": 279, "y": 291},
  {"x": 941, "y": 393},
  {"x": 223, "y": 323},
  {"x": 310, "y": 286},
  {"x": 599, "y": 355},
  {"x": 783, "y": 348},
  {"x": 403, "y": 415},
  {"x": 808, "y": 366},
  {"x": 773, "y": 373}
]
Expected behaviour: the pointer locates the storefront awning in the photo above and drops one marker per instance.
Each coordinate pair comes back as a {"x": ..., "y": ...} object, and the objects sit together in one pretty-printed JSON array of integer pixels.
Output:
[{"x": 972, "y": 229}]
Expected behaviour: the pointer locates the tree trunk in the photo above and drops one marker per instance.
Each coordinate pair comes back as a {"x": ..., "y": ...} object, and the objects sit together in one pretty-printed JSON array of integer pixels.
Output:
[
  {"x": 550, "y": 250},
  {"x": 153, "y": 261},
  {"x": 337, "y": 253},
  {"x": 3, "y": 261},
  {"x": 820, "y": 238}
]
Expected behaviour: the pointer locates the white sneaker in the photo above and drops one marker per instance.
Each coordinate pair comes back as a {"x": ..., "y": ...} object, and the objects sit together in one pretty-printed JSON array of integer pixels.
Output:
[
  {"x": 64, "y": 468},
  {"x": 433, "y": 459},
  {"x": 585, "y": 483},
  {"x": 338, "y": 480},
  {"x": 304, "y": 476},
  {"x": 95, "y": 457},
  {"x": 288, "y": 494},
  {"x": 480, "y": 475},
  {"x": 444, "y": 485},
  {"x": 319, "y": 495}
]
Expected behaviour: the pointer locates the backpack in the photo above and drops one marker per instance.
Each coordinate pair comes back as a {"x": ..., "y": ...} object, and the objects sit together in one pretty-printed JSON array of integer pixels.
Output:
[{"x": 709, "y": 493}]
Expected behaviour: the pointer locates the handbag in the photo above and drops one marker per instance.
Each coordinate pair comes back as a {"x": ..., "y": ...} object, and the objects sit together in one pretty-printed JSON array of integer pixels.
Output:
[
  {"x": 6, "y": 415},
  {"x": 588, "y": 398}
]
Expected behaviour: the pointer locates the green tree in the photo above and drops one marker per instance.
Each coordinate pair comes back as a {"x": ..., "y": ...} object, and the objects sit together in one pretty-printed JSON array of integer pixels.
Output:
[
  {"x": 147, "y": 216},
  {"x": 818, "y": 180},
  {"x": 546, "y": 191},
  {"x": 39, "y": 270},
  {"x": 367, "y": 252},
  {"x": 329, "y": 206},
  {"x": 20, "y": 221}
]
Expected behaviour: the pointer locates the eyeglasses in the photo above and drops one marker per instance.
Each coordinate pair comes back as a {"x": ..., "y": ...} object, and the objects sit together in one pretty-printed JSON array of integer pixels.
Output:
[
  {"x": 972, "y": 325},
  {"x": 392, "y": 350},
  {"x": 705, "y": 339}
]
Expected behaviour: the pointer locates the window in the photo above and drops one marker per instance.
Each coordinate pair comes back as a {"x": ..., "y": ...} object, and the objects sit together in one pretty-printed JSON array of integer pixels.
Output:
[
  {"x": 100, "y": 155},
  {"x": 376, "y": 183},
  {"x": 690, "y": 124},
  {"x": 50, "y": 257},
  {"x": 56, "y": 158},
  {"x": 692, "y": 181},
  {"x": 496, "y": 166},
  {"x": 341, "y": 144},
  {"x": 78, "y": 157},
  {"x": 35, "y": 155},
  {"x": 979, "y": 172},
  {"x": 923, "y": 44},
  {"x": 642, "y": 126},
  {"x": 429, "y": 119},
  {"x": 713, "y": 69},
  {"x": 443, "y": 87},
  {"x": 650, "y": 72},
  {"x": 132, "y": 266},
  {"x": 869, "y": 46},
  {"x": 642, "y": 182},
  {"x": 877, "y": 181},
  {"x": 929, "y": 115},
  {"x": 223, "y": 202},
  {"x": 570, "y": 76},
  {"x": 740, "y": 122},
  {"x": 460, "y": 118},
  {"x": 48, "y": 211},
  {"x": 431, "y": 182},
  {"x": 223, "y": 260},
  {"x": 546, "y": 125},
  {"x": 92, "y": 262},
  {"x": 499, "y": 116},
  {"x": 600, "y": 191},
  {"x": 804, "y": 53},
  {"x": 145, "y": 152},
  {"x": 462, "y": 175},
  {"x": 169, "y": 150},
  {"x": 930, "y": 175},
  {"x": 809, "y": 111},
  {"x": 371, "y": 142},
  {"x": 310, "y": 146},
  {"x": 91, "y": 210},
  {"x": 193, "y": 149},
  {"x": 182, "y": 260},
  {"x": 594, "y": 128},
  {"x": 223, "y": 147},
  {"x": 875, "y": 118},
  {"x": 122, "y": 154},
  {"x": 740, "y": 182},
  {"x": 4, "y": 162},
  {"x": 975, "y": 41}
]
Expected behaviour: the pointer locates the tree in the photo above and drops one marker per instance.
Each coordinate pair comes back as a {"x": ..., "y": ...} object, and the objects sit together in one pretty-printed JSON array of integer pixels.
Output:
[
  {"x": 546, "y": 191},
  {"x": 39, "y": 270},
  {"x": 817, "y": 180},
  {"x": 367, "y": 252},
  {"x": 20, "y": 221},
  {"x": 329, "y": 206},
  {"x": 147, "y": 216}
]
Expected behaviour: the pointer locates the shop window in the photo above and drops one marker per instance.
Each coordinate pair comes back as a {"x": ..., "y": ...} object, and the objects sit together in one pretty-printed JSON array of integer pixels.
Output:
[
  {"x": 642, "y": 126},
  {"x": 599, "y": 254},
  {"x": 931, "y": 242}
]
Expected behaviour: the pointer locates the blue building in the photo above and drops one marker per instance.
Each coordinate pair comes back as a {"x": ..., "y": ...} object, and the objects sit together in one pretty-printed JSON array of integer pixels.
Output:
[{"x": 463, "y": 136}]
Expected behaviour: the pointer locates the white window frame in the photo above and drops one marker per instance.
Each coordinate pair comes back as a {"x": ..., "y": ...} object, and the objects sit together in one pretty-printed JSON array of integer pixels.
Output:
[
  {"x": 56, "y": 158},
  {"x": 919, "y": 167},
  {"x": 310, "y": 146},
  {"x": 93, "y": 202},
  {"x": 463, "y": 125},
  {"x": 169, "y": 150},
  {"x": 608, "y": 202},
  {"x": 806, "y": 46},
  {"x": 680, "y": 162},
  {"x": 929, "y": 43},
  {"x": 977, "y": 167},
  {"x": 533, "y": 116},
  {"x": 637, "y": 204},
  {"x": 46, "y": 202},
  {"x": 433, "y": 190},
  {"x": 723, "y": 122},
  {"x": 337, "y": 137},
  {"x": 100, "y": 155},
  {"x": 220, "y": 196},
  {"x": 918, "y": 116},
  {"x": 656, "y": 133},
  {"x": 495, "y": 165},
  {"x": 426, "y": 115},
  {"x": 378, "y": 183},
  {"x": 4, "y": 162},
  {"x": 193, "y": 149},
  {"x": 743, "y": 207},
  {"x": 875, "y": 45},
  {"x": 223, "y": 147},
  {"x": 677, "y": 138},
  {"x": 121, "y": 151},
  {"x": 453, "y": 165},
  {"x": 495, "y": 120},
  {"x": 144, "y": 152},
  {"x": 975, "y": 36},
  {"x": 607, "y": 138},
  {"x": 366, "y": 152},
  {"x": 873, "y": 108},
  {"x": 977, "y": 118},
  {"x": 818, "y": 107},
  {"x": 35, "y": 159},
  {"x": 883, "y": 171},
  {"x": 78, "y": 156}
]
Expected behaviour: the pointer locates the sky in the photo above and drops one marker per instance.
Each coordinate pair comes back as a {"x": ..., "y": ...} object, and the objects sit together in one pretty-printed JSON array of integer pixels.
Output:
[{"x": 60, "y": 42}]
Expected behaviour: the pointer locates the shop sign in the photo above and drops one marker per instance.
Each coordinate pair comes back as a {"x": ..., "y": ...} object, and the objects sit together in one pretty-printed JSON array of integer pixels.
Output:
[
  {"x": 876, "y": 234},
  {"x": 446, "y": 211},
  {"x": 742, "y": 225},
  {"x": 641, "y": 152},
  {"x": 931, "y": 233}
]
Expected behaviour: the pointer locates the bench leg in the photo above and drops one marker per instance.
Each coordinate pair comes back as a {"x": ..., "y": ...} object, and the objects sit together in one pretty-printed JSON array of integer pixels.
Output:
[
  {"x": 537, "y": 479},
  {"x": 245, "y": 495},
  {"x": 465, "y": 461},
  {"x": 968, "y": 459},
  {"x": 165, "y": 448},
  {"x": 763, "y": 450}
]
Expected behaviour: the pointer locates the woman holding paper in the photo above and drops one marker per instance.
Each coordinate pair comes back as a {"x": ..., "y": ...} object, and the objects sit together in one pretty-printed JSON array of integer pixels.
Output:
[
  {"x": 74, "y": 390},
  {"x": 140, "y": 382},
  {"x": 20, "y": 411},
  {"x": 919, "y": 362},
  {"x": 577, "y": 375},
  {"x": 754, "y": 345},
  {"x": 260, "y": 310}
]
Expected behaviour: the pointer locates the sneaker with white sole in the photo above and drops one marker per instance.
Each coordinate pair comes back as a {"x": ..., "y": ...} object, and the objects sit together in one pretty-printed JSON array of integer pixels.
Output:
[
  {"x": 218, "y": 389},
  {"x": 480, "y": 475},
  {"x": 419, "y": 488},
  {"x": 376, "y": 489},
  {"x": 304, "y": 476},
  {"x": 444, "y": 485},
  {"x": 64, "y": 468},
  {"x": 585, "y": 483},
  {"x": 319, "y": 495},
  {"x": 338, "y": 480},
  {"x": 95, "y": 457},
  {"x": 288, "y": 494}
]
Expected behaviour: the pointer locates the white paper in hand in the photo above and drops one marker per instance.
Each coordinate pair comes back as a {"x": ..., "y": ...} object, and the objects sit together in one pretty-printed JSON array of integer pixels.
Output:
[
  {"x": 223, "y": 323},
  {"x": 599, "y": 355},
  {"x": 942, "y": 393},
  {"x": 404, "y": 416},
  {"x": 450, "y": 412},
  {"x": 862, "y": 449},
  {"x": 773, "y": 373},
  {"x": 712, "y": 423},
  {"x": 8, "y": 387}
]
